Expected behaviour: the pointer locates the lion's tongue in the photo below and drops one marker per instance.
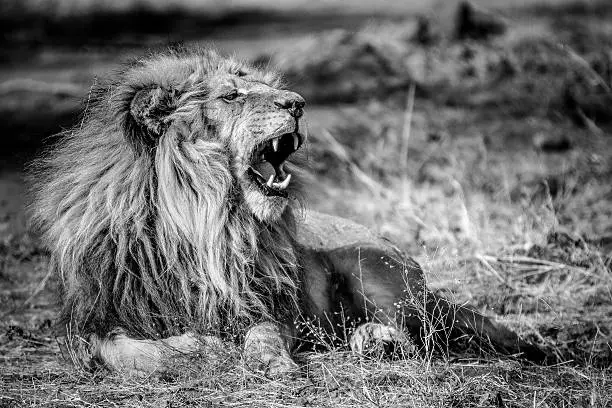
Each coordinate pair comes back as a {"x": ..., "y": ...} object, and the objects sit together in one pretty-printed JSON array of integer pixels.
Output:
[{"x": 266, "y": 170}]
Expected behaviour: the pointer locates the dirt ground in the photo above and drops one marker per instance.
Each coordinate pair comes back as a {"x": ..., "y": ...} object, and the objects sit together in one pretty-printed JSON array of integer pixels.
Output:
[{"x": 482, "y": 145}]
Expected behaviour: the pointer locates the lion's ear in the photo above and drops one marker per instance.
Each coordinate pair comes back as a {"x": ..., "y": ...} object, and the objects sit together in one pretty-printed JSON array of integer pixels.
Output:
[{"x": 150, "y": 108}]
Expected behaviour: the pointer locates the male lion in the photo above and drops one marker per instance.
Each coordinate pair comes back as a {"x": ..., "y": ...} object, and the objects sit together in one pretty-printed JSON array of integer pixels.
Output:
[{"x": 169, "y": 215}]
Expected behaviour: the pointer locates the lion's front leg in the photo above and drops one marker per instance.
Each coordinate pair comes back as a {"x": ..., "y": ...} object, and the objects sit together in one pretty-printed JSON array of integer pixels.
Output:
[
  {"x": 266, "y": 348},
  {"x": 136, "y": 357}
]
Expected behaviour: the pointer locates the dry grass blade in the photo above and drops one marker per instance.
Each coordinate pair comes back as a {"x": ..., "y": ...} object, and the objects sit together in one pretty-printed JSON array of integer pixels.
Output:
[
  {"x": 569, "y": 51},
  {"x": 486, "y": 261},
  {"x": 529, "y": 266},
  {"x": 407, "y": 128},
  {"x": 342, "y": 154}
]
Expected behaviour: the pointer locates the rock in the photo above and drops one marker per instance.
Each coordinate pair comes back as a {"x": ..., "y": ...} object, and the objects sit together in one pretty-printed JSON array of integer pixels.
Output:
[
  {"x": 425, "y": 34},
  {"x": 477, "y": 24}
]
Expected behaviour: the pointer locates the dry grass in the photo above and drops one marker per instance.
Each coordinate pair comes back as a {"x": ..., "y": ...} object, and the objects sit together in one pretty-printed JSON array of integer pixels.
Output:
[{"x": 335, "y": 379}]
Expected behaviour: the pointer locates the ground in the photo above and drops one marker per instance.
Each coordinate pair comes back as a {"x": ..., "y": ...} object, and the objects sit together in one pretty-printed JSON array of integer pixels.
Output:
[{"x": 484, "y": 153}]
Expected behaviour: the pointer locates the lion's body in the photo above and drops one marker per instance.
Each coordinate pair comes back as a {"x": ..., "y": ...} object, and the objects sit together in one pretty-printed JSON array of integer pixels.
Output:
[{"x": 159, "y": 221}]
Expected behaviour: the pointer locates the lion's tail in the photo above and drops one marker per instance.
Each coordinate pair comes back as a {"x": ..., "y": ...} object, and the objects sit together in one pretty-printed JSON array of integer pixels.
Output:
[{"x": 463, "y": 321}]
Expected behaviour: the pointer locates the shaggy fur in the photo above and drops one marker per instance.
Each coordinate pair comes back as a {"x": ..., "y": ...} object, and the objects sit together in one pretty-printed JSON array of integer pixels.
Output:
[{"x": 144, "y": 220}]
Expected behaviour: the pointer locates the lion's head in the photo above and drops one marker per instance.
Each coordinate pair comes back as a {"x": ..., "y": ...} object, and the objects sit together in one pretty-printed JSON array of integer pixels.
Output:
[
  {"x": 208, "y": 97},
  {"x": 168, "y": 203}
]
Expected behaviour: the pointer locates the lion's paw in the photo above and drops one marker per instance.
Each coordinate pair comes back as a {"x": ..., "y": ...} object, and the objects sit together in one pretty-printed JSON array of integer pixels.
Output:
[
  {"x": 266, "y": 350},
  {"x": 377, "y": 338}
]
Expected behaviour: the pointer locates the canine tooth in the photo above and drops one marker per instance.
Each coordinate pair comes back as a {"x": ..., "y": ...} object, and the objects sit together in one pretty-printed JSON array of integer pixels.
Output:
[
  {"x": 283, "y": 185},
  {"x": 296, "y": 141},
  {"x": 270, "y": 181},
  {"x": 275, "y": 144}
]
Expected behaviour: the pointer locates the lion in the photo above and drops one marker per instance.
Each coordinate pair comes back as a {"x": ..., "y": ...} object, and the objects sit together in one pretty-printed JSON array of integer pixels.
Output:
[{"x": 174, "y": 219}]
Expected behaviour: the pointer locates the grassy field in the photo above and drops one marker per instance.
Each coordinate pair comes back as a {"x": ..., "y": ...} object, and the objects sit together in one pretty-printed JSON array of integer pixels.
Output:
[{"x": 487, "y": 157}]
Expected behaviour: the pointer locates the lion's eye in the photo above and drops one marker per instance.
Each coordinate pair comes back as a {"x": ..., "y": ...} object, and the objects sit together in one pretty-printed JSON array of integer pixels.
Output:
[{"x": 231, "y": 95}]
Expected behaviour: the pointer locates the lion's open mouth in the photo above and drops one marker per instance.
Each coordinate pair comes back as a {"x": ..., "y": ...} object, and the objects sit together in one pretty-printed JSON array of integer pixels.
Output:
[{"x": 267, "y": 167}]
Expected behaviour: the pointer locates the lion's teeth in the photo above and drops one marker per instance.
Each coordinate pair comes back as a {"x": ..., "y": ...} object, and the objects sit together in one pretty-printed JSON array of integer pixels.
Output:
[
  {"x": 283, "y": 185},
  {"x": 270, "y": 181},
  {"x": 275, "y": 144},
  {"x": 296, "y": 141}
]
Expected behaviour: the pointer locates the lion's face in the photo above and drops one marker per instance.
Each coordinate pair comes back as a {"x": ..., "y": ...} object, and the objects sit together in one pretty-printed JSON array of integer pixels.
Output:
[
  {"x": 262, "y": 126},
  {"x": 259, "y": 124}
]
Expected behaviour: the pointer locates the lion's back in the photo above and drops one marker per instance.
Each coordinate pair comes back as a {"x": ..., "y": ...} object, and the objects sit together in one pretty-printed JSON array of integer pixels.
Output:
[{"x": 320, "y": 231}]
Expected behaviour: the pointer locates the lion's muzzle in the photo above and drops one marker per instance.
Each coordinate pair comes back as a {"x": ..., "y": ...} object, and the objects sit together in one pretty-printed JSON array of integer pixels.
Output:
[{"x": 293, "y": 102}]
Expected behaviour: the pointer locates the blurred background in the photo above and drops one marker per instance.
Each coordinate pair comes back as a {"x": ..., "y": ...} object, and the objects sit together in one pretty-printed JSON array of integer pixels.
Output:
[{"x": 476, "y": 135}]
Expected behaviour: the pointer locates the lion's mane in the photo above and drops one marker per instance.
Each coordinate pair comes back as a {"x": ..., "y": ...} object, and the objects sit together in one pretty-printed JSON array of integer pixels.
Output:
[{"x": 154, "y": 238}]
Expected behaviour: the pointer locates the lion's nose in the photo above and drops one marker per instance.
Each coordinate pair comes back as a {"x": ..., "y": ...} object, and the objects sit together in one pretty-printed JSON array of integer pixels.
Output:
[{"x": 291, "y": 101}]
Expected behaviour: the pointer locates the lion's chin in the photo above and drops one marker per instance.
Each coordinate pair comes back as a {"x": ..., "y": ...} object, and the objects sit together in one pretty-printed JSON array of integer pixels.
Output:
[{"x": 265, "y": 208}]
